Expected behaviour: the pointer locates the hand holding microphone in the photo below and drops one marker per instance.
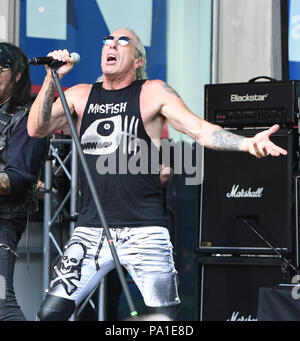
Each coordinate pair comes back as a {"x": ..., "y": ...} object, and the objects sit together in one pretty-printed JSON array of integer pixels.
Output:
[
  {"x": 56, "y": 59},
  {"x": 51, "y": 61}
]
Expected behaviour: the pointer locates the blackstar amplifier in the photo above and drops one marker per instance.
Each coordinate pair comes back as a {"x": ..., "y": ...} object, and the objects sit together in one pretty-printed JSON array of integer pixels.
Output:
[{"x": 252, "y": 104}]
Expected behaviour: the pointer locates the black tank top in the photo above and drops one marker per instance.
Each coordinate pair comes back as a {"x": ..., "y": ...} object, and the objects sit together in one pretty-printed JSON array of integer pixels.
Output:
[{"x": 118, "y": 152}]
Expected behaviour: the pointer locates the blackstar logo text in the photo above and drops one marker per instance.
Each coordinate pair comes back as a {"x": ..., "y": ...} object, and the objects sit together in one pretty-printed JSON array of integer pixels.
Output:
[
  {"x": 237, "y": 192},
  {"x": 248, "y": 98}
]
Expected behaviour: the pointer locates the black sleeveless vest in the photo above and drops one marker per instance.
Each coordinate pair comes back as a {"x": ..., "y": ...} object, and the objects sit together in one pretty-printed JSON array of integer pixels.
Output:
[{"x": 122, "y": 159}]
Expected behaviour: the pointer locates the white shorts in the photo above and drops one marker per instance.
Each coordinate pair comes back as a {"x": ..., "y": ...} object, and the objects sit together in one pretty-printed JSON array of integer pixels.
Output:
[{"x": 146, "y": 253}]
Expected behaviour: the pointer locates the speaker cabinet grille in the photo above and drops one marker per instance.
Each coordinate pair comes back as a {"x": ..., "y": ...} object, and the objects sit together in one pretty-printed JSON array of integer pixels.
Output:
[
  {"x": 228, "y": 287},
  {"x": 238, "y": 186}
]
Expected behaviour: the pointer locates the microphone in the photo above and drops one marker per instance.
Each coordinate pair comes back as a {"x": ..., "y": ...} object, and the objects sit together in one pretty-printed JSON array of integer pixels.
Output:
[{"x": 53, "y": 62}]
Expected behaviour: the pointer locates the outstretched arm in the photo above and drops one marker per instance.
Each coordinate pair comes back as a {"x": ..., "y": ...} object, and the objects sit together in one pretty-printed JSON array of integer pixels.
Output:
[
  {"x": 207, "y": 134},
  {"x": 260, "y": 145}
]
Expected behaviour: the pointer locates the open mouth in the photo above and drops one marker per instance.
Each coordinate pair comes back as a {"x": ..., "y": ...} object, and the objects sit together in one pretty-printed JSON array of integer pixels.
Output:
[{"x": 111, "y": 58}]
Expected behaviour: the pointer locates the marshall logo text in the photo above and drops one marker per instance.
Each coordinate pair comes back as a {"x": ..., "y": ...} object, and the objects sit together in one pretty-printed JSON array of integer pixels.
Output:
[{"x": 237, "y": 192}]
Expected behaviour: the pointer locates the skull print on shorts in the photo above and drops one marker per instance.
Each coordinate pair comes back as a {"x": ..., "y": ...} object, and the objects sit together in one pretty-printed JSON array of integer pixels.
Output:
[{"x": 68, "y": 270}]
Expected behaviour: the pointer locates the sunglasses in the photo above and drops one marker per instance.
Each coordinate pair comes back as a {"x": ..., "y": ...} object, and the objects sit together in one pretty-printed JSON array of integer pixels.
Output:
[
  {"x": 123, "y": 41},
  {"x": 2, "y": 69}
]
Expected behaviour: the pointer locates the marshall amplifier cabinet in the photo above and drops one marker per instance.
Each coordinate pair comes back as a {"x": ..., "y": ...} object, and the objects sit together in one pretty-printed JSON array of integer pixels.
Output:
[
  {"x": 252, "y": 104},
  {"x": 246, "y": 205},
  {"x": 227, "y": 288}
]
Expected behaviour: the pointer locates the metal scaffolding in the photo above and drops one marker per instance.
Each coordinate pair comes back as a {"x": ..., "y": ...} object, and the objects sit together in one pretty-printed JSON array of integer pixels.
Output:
[{"x": 51, "y": 214}]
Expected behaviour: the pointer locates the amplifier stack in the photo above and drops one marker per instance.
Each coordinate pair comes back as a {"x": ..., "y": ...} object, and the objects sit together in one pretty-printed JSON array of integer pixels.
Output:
[{"x": 248, "y": 207}]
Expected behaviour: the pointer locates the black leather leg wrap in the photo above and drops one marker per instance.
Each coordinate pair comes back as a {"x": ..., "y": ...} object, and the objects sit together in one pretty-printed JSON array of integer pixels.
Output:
[
  {"x": 172, "y": 311},
  {"x": 56, "y": 308}
]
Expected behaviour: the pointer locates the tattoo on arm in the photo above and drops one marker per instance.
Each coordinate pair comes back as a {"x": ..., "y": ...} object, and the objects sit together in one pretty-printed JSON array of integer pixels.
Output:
[
  {"x": 170, "y": 90},
  {"x": 4, "y": 184},
  {"x": 225, "y": 140},
  {"x": 47, "y": 105}
]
